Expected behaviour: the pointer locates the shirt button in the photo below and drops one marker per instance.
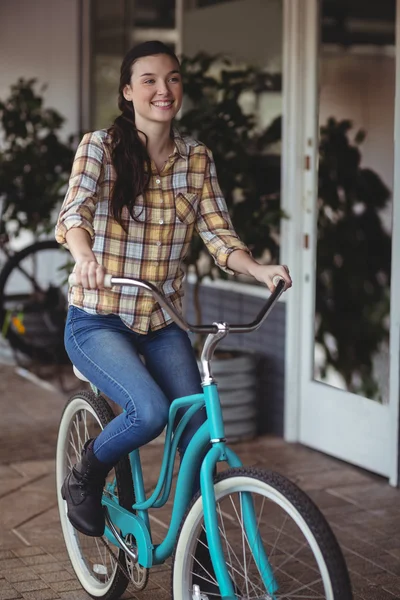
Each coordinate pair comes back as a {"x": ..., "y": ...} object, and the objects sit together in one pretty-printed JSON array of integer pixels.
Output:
[
  {"x": 158, "y": 243},
  {"x": 161, "y": 221},
  {"x": 158, "y": 180}
]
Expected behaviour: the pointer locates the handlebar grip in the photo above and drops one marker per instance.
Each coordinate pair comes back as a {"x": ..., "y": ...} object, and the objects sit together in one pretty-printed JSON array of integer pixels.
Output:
[
  {"x": 107, "y": 280},
  {"x": 276, "y": 279}
]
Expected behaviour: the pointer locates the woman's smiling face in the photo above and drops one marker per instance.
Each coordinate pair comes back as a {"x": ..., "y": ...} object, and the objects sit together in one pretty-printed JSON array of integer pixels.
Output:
[{"x": 155, "y": 89}]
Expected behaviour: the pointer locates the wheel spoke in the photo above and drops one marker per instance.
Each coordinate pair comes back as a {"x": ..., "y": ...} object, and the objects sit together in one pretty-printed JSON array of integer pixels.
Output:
[
  {"x": 244, "y": 535},
  {"x": 73, "y": 445},
  {"x": 289, "y": 556},
  {"x": 244, "y": 544},
  {"x": 87, "y": 435},
  {"x": 299, "y": 589},
  {"x": 76, "y": 446},
  {"x": 278, "y": 536},
  {"x": 233, "y": 568},
  {"x": 223, "y": 531},
  {"x": 257, "y": 529},
  {"x": 211, "y": 580}
]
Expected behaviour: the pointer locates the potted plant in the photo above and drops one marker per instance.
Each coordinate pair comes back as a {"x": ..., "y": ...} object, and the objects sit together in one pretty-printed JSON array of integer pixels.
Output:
[
  {"x": 353, "y": 261},
  {"x": 34, "y": 162},
  {"x": 249, "y": 176}
]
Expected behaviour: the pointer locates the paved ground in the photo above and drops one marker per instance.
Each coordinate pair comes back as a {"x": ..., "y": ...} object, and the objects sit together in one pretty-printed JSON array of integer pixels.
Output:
[{"x": 362, "y": 509}]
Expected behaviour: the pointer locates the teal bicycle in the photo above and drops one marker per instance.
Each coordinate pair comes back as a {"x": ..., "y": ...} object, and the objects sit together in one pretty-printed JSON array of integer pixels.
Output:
[{"x": 265, "y": 537}]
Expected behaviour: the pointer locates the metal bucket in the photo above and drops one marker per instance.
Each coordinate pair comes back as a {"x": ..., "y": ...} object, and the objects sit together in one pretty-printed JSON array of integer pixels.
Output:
[{"x": 236, "y": 377}]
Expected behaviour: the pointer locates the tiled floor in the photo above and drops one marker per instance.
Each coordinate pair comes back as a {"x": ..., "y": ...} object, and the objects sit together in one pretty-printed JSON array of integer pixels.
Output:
[{"x": 362, "y": 509}]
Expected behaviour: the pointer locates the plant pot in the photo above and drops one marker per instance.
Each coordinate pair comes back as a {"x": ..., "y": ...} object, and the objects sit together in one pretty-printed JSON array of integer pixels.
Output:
[{"x": 236, "y": 376}]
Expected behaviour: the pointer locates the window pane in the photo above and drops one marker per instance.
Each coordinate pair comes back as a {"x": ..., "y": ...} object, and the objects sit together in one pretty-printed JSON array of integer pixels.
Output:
[
  {"x": 109, "y": 43},
  {"x": 357, "y": 98},
  {"x": 116, "y": 26}
]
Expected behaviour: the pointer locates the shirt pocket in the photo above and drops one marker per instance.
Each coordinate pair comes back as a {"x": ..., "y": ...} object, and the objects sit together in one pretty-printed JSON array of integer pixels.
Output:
[{"x": 186, "y": 207}]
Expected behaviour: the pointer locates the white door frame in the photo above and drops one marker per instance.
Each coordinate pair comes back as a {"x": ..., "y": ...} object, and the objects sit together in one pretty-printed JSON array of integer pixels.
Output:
[
  {"x": 300, "y": 127},
  {"x": 299, "y": 73}
]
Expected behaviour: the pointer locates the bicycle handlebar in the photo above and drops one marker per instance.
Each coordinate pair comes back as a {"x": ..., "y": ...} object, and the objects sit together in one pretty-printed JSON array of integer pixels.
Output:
[{"x": 111, "y": 281}]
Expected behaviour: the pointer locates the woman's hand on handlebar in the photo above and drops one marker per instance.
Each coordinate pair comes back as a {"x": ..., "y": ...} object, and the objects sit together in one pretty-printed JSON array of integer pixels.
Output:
[
  {"x": 242, "y": 262},
  {"x": 269, "y": 274},
  {"x": 89, "y": 274}
]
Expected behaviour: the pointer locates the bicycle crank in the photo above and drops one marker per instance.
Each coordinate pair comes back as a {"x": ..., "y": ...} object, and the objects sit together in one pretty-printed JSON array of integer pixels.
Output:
[{"x": 135, "y": 573}]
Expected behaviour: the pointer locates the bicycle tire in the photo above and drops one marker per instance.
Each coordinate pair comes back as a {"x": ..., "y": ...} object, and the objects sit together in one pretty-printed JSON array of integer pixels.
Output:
[
  {"x": 300, "y": 510},
  {"x": 82, "y": 560},
  {"x": 54, "y": 351}
]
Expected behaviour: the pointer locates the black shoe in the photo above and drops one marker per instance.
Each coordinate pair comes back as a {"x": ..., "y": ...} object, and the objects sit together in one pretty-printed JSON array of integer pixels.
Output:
[{"x": 83, "y": 489}]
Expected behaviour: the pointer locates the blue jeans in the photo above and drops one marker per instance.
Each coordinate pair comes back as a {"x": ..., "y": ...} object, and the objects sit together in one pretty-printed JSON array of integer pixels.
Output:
[{"x": 108, "y": 354}]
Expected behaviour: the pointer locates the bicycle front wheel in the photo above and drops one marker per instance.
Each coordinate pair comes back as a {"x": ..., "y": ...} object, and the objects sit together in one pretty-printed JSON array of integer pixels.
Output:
[
  {"x": 303, "y": 552},
  {"x": 84, "y": 416}
]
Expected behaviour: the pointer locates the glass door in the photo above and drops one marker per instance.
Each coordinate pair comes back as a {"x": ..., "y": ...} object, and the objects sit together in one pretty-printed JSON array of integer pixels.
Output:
[{"x": 348, "y": 241}]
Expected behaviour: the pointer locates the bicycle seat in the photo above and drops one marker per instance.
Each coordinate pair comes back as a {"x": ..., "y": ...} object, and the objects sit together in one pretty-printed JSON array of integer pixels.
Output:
[{"x": 79, "y": 375}]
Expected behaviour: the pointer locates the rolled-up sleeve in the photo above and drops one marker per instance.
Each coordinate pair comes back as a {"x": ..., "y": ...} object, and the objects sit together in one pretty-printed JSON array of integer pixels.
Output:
[
  {"x": 79, "y": 205},
  {"x": 213, "y": 221}
]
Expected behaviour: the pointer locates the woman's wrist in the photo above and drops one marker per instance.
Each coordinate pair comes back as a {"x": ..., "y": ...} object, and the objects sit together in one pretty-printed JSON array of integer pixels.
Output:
[
  {"x": 81, "y": 257},
  {"x": 79, "y": 244},
  {"x": 242, "y": 263},
  {"x": 254, "y": 268}
]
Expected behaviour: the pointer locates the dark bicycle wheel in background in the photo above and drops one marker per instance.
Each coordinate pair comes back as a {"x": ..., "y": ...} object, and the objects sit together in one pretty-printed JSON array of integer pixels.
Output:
[{"x": 33, "y": 301}]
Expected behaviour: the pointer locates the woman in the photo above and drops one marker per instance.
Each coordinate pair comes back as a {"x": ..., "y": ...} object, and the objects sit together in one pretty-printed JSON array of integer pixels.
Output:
[{"x": 136, "y": 194}]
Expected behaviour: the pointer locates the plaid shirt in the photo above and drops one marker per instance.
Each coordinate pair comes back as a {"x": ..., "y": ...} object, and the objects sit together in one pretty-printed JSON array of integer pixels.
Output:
[{"x": 185, "y": 196}]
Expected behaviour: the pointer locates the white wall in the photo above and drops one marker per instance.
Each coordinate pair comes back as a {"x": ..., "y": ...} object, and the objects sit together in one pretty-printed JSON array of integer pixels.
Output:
[
  {"x": 39, "y": 38},
  {"x": 249, "y": 30},
  {"x": 361, "y": 87}
]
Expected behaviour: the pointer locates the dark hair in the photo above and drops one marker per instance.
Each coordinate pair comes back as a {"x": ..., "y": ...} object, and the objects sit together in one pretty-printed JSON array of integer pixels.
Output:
[{"x": 129, "y": 155}]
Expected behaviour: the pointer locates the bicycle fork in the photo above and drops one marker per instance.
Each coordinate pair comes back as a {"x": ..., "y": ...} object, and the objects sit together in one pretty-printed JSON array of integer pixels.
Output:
[{"x": 219, "y": 452}]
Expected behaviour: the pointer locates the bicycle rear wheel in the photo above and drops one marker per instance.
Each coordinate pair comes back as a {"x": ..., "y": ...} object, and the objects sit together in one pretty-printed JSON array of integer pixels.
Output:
[
  {"x": 97, "y": 570},
  {"x": 33, "y": 301},
  {"x": 303, "y": 552}
]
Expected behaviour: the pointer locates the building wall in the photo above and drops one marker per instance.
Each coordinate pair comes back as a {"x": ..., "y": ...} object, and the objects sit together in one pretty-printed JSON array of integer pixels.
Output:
[
  {"x": 249, "y": 30},
  {"x": 40, "y": 38}
]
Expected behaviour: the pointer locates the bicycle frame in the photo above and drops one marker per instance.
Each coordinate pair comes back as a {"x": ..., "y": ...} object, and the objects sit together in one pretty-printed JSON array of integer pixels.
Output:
[
  {"x": 211, "y": 432},
  {"x": 139, "y": 524}
]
